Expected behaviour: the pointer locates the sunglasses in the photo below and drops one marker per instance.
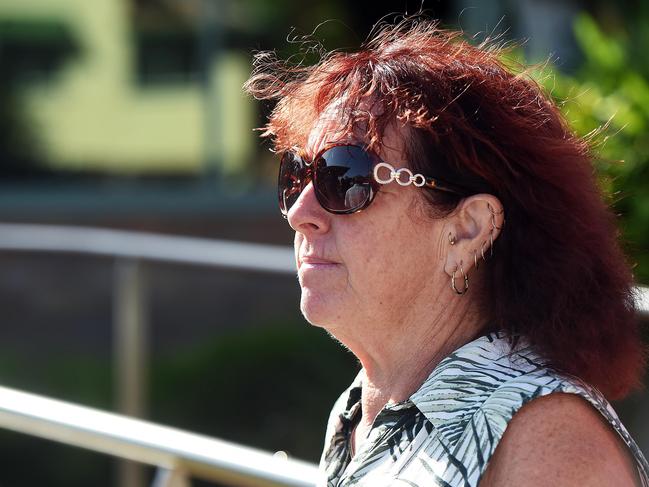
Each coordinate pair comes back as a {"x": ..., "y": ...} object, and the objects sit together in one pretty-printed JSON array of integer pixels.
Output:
[{"x": 346, "y": 178}]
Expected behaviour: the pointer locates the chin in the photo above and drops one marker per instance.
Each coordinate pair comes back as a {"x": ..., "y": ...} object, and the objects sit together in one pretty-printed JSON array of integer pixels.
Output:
[
  {"x": 313, "y": 313},
  {"x": 317, "y": 310}
]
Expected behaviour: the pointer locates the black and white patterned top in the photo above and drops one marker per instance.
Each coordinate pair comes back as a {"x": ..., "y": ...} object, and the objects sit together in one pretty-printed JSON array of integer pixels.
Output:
[{"x": 446, "y": 432}]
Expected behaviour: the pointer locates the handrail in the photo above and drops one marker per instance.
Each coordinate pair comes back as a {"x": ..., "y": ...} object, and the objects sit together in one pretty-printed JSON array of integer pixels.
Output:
[
  {"x": 147, "y": 246},
  {"x": 642, "y": 300},
  {"x": 130, "y": 330},
  {"x": 151, "y": 246},
  {"x": 149, "y": 443}
]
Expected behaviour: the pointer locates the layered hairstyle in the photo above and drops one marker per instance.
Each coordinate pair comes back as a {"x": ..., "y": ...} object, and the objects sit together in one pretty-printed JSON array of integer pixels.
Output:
[{"x": 557, "y": 275}]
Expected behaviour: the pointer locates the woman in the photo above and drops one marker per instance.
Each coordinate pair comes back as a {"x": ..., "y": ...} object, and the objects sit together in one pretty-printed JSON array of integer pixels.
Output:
[{"x": 450, "y": 233}]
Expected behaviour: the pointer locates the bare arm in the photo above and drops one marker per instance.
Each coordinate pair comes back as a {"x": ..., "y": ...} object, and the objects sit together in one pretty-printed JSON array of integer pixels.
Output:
[{"x": 561, "y": 441}]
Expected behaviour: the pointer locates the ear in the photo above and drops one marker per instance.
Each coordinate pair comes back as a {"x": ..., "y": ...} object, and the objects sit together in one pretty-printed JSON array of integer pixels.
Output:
[{"x": 471, "y": 230}]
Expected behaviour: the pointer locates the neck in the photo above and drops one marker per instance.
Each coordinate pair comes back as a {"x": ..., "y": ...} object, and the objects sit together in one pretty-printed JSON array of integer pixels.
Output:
[{"x": 397, "y": 357}]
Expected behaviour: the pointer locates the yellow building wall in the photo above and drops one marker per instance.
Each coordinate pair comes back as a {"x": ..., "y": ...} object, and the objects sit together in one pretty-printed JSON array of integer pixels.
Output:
[{"x": 94, "y": 116}]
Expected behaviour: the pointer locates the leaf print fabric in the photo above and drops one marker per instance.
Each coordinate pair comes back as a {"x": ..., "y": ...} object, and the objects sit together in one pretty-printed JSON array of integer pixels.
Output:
[{"x": 446, "y": 432}]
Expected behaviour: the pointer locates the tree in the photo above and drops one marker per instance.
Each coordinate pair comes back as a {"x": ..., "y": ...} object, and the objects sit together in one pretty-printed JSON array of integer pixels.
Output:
[{"x": 607, "y": 98}]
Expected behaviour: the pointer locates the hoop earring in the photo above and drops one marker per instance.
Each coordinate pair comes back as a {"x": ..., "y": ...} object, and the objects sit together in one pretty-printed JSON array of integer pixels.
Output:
[
  {"x": 466, "y": 281},
  {"x": 493, "y": 222},
  {"x": 491, "y": 209},
  {"x": 475, "y": 260},
  {"x": 491, "y": 244},
  {"x": 493, "y": 217}
]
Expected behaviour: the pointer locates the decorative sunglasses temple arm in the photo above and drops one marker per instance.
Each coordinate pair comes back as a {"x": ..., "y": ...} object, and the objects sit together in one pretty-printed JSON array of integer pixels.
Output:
[
  {"x": 443, "y": 186},
  {"x": 405, "y": 177}
]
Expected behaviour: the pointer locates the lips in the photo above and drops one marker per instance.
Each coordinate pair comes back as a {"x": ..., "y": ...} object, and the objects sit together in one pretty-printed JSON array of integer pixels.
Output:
[{"x": 315, "y": 261}]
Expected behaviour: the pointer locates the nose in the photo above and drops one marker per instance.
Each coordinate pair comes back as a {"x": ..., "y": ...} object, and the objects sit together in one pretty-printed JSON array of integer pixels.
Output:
[{"x": 306, "y": 215}]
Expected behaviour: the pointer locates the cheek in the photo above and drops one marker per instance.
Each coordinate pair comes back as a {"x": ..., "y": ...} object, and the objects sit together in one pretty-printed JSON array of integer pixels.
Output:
[
  {"x": 393, "y": 261},
  {"x": 376, "y": 260}
]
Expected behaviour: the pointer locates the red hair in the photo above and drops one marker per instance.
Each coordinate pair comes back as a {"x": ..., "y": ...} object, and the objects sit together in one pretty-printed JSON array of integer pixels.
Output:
[{"x": 558, "y": 276}]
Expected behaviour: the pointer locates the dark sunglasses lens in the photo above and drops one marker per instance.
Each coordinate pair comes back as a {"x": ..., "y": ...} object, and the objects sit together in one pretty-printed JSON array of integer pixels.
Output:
[
  {"x": 290, "y": 182},
  {"x": 342, "y": 178}
]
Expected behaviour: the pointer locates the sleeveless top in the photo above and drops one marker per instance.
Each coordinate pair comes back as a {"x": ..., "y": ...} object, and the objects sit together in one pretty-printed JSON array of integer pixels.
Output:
[{"x": 446, "y": 432}]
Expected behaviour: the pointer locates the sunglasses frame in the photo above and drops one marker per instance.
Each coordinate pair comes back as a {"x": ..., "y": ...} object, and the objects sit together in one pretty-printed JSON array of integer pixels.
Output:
[{"x": 310, "y": 175}]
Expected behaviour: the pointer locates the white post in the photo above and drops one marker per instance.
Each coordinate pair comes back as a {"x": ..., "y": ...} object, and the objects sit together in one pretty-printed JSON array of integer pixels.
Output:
[{"x": 170, "y": 478}]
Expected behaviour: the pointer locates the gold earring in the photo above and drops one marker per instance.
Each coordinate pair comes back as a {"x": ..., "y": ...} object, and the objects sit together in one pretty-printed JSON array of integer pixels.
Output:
[
  {"x": 491, "y": 209},
  {"x": 491, "y": 244},
  {"x": 466, "y": 281},
  {"x": 475, "y": 260},
  {"x": 493, "y": 217}
]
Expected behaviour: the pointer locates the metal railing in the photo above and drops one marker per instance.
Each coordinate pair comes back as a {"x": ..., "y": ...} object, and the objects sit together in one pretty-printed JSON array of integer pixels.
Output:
[
  {"x": 147, "y": 246},
  {"x": 178, "y": 454},
  {"x": 130, "y": 321},
  {"x": 642, "y": 300}
]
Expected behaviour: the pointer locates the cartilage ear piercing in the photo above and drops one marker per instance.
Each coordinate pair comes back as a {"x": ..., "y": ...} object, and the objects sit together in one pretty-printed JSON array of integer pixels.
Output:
[
  {"x": 491, "y": 244},
  {"x": 491, "y": 209},
  {"x": 493, "y": 217}
]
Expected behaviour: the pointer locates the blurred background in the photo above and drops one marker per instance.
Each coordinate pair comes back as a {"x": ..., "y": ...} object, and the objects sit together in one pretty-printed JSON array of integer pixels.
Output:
[{"x": 129, "y": 114}]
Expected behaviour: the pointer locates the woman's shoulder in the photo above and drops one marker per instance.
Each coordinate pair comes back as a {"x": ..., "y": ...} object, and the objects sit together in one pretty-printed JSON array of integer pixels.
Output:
[
  {"x": 498, "y": 387},
  {"x": 560, "y": 440}
]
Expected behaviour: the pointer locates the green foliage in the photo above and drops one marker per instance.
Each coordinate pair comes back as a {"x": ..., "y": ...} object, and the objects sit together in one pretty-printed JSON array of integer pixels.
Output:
[
  {"x": 271, "y": 387},
  {"x": 611, "y": 91}
]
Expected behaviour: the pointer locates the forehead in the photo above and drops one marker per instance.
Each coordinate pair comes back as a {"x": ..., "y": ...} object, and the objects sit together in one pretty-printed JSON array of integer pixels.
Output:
[
  {"x": 341, "y": 123},
  {"x": 331, "y": 126}
]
